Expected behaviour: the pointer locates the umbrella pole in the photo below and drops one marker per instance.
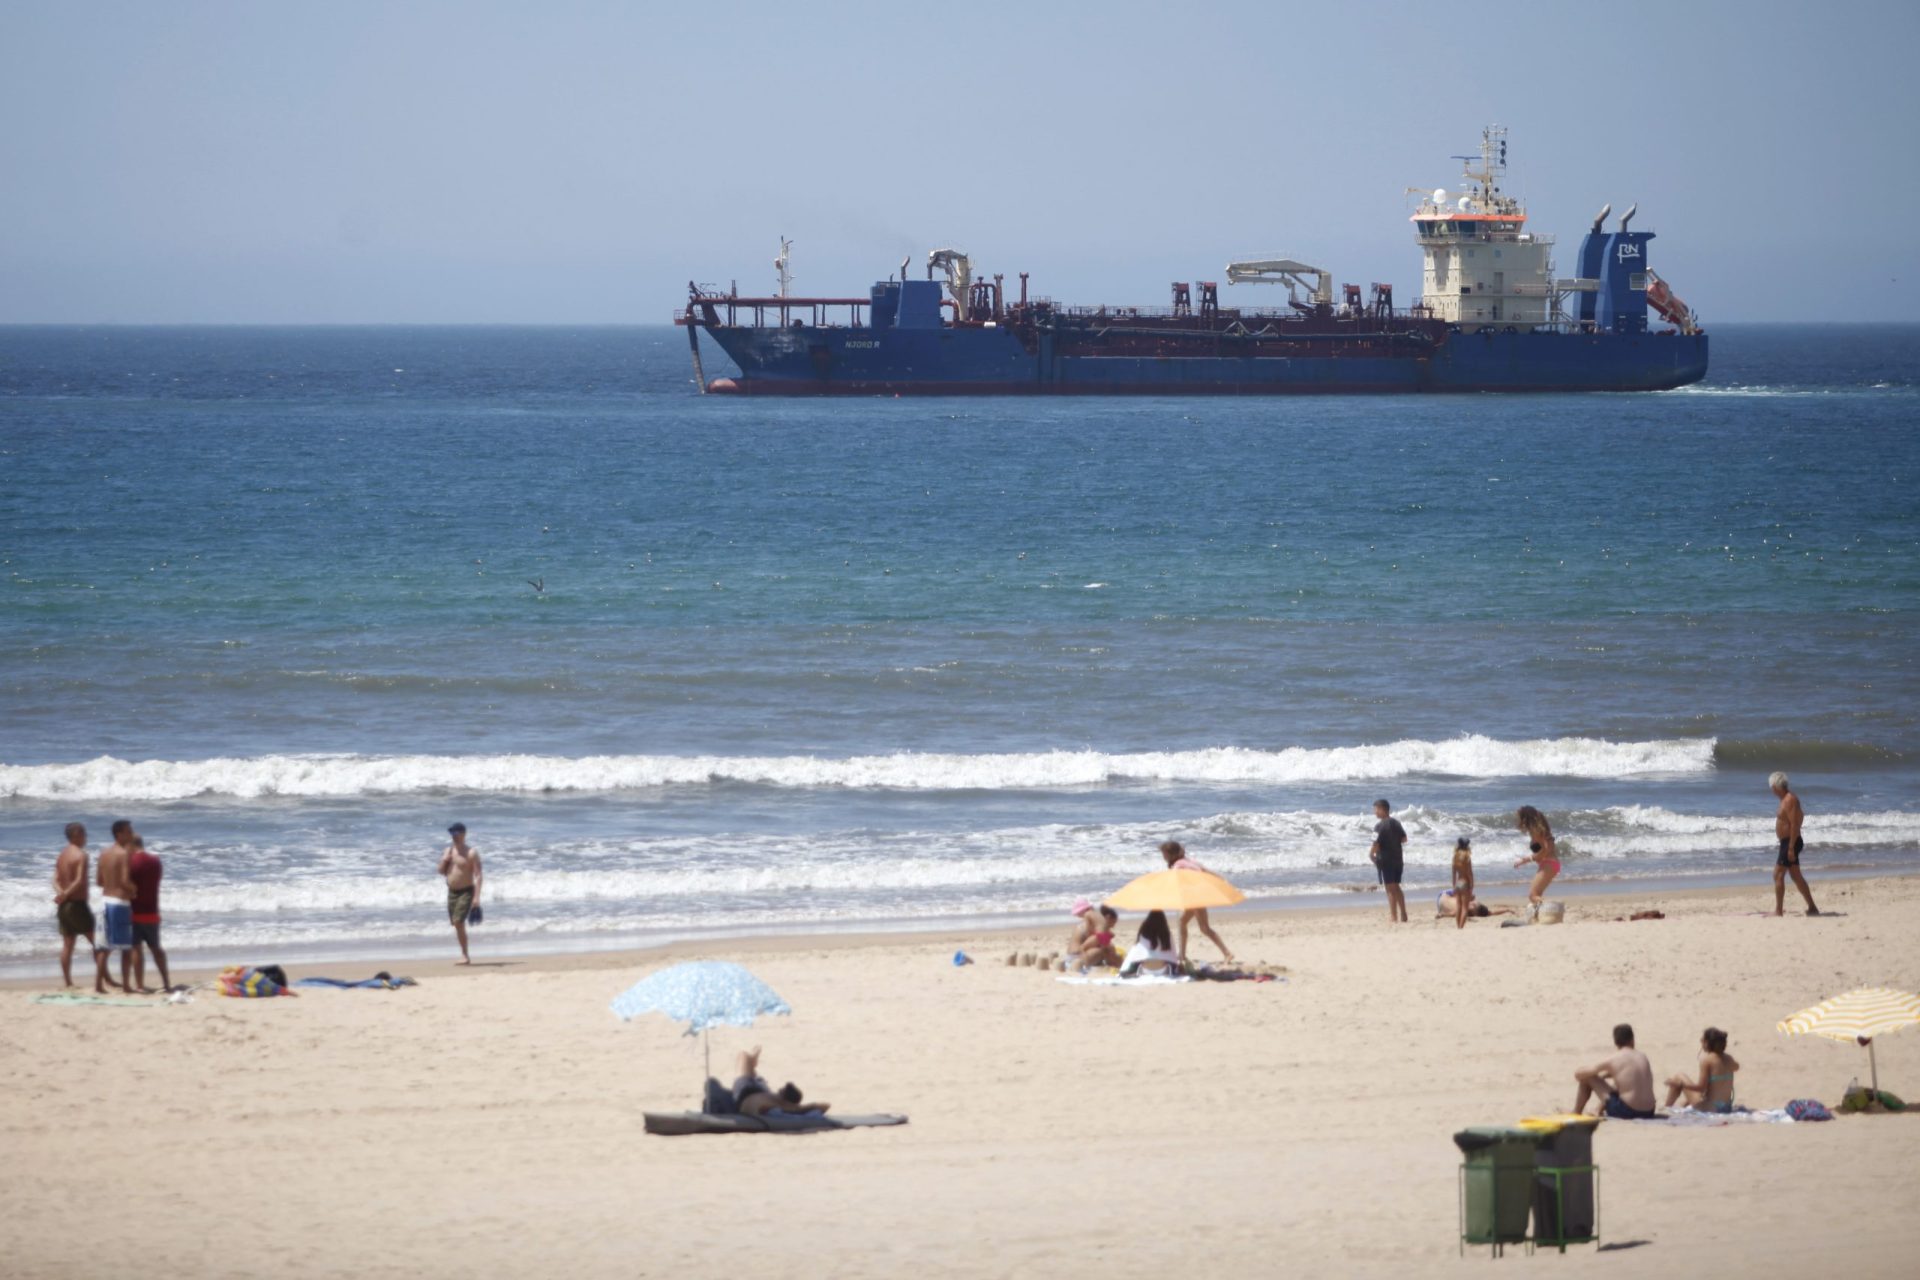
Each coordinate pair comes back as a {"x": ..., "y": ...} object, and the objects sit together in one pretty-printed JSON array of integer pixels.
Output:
[
  {"x": 706, "y": 1045},
  {"x": 1873, "y": 1067}
]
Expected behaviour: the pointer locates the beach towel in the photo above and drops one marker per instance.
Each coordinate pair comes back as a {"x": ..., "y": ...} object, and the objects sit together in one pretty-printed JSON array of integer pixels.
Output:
[
  {"x": 72, "y": 999},
  {"x": 245, "y": 983},
  {"x": 1115, "y": 980},
  {"x": 379, "y": 982},
  {"x": 683, "y": 1123},
  {"x": 1688, "y": 1118}
]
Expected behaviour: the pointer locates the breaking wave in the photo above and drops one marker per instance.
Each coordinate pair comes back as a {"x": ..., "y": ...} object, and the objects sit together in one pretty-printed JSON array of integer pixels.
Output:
[{"x": 108, "y": 778}]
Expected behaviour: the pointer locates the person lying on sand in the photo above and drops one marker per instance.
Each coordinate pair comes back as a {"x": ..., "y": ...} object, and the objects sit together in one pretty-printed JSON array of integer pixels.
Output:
[
  {"x": 1713, "y": 1091},
  {"x": 1447, "y": 907},
  {"x": 755, "y": 1097},
  {"x": 1625, "y": 1080}
]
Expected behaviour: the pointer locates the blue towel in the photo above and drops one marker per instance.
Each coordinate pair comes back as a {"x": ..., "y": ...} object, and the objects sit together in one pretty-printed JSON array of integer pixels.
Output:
[{"x": 369, "y": 984}]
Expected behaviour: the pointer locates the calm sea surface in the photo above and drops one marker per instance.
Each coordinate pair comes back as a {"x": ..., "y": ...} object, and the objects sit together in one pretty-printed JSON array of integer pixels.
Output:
[{"x": 267, "y": 592}]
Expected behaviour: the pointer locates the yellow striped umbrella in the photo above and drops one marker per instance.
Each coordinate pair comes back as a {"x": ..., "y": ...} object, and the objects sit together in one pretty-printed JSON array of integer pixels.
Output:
[
  {"x": 1858, "y": 1016},
  {"x": 1176, "y": 890}
]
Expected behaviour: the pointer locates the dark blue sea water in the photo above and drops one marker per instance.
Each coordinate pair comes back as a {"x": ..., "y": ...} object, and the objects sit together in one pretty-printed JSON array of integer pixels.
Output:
[{"x": 267, "y": 592}]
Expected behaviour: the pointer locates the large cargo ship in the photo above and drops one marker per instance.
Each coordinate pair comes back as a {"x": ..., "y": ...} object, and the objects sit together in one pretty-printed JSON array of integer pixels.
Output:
[{"x": 1492, "y": 316}]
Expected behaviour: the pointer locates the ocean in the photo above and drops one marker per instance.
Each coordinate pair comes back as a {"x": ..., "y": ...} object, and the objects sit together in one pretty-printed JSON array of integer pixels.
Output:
[{"x": 294, "y": 599}]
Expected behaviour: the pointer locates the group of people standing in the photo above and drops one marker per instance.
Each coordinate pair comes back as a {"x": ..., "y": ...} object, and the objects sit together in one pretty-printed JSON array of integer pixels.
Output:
[
  {"x": 128, "y": 874},
  {"x": 1388, "y": 856},
  {"x": 1543, "y": 854}
]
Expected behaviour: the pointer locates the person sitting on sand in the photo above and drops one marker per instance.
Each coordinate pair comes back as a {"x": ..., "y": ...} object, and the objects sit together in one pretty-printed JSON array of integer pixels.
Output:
[
  {"x": 1177, "y": 860},
  {"x": 1086, "y": 922},
  {"x": 1098, "y": 950},
  {"x": 1543, "y": 853},
  {"x": 1625, "y": 1080},
  {"x": 755, "y": 1097},
  {"x": 1713, "y": 1091},
  {"x": 1152, "y": 950}
]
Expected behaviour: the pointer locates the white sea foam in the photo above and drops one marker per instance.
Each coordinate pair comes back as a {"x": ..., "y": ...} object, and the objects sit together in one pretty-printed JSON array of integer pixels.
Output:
[{"x": 107, "y": 778}]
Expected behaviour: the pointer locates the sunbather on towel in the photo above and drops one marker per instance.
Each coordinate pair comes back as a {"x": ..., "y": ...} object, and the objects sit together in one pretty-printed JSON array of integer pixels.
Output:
[{"x": 755, "y": 1097}]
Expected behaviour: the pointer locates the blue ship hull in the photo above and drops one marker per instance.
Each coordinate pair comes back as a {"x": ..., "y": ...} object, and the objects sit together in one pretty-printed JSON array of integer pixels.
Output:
[{"x": 973, "y": 360}]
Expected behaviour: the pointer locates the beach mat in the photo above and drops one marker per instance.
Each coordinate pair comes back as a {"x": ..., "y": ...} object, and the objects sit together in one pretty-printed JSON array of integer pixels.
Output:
[
  {"x": 680, "y": 1123},
  {"x": 123, "y": 1003},
  {"x": 380, "y": 983},
  {"x": 1688, "y": 1118},
  {"x": 1115, "y": 980}
]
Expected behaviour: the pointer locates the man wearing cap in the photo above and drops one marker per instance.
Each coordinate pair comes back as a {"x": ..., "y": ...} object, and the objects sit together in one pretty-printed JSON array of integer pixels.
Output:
[{"x": 460, "y": 864}]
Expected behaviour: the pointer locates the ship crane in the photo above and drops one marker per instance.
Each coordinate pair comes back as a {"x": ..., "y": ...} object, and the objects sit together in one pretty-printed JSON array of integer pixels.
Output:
[
  {"x": 959, "y": 271},
  {"x": 1295, "y": 275}
]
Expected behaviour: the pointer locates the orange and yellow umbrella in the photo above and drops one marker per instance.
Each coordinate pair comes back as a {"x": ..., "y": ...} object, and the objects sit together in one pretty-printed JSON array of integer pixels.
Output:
[{"x": 1181, "y": 889}]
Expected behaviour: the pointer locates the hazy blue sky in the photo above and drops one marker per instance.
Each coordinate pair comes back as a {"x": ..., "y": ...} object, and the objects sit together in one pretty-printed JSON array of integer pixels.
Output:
[{"x": 570, "y": 162}]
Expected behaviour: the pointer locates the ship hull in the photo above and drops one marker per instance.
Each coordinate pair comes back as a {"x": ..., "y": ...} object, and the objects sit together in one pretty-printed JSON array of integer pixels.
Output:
[{"x": 993, "y": 361}]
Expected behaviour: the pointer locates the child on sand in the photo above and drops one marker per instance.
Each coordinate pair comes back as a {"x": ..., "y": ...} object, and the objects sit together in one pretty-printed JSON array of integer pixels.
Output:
[{"x": 1462, "y": 881}]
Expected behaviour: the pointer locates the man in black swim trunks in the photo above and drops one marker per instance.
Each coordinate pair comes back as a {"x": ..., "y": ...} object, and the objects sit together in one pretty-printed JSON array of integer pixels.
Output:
[
  {"x": 753, "y": 1096},
  {"x": 1389, "y": 839},
  {"x": 1786, "y": 825}
]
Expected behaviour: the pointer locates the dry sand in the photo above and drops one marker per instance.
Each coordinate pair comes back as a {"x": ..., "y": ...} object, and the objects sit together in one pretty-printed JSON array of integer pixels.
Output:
[{"x": 487, "y": 1123}]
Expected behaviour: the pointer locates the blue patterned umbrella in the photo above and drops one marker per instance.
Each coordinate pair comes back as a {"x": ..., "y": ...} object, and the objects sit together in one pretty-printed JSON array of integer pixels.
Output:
[{"x": 702, "y": 994}]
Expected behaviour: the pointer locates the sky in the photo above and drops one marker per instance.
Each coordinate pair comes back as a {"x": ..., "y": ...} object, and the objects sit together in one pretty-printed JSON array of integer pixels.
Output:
[{"x": 579, "y": 163}]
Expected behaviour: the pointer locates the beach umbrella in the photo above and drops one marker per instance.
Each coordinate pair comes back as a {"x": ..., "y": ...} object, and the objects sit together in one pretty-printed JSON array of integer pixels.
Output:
[
  {"x": 703, "y": 994},
  {"x": 1180, "y": 889},
  {"x": 1858, "y": 1016}
]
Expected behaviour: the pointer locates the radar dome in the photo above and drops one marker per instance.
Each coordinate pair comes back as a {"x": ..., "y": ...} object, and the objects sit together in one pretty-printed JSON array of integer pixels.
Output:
[
  {"x": 1465, "y": 203},
  {"x": 1439, "y": 195}
]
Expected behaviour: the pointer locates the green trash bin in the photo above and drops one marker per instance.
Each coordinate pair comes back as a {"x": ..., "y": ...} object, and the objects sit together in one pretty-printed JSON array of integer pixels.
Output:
[
  {"x": 1565, "y": 1206},
  {"x": 1496, "y": 1184}
]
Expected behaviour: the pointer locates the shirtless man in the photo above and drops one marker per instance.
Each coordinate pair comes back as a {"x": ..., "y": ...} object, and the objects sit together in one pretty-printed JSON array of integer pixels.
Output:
[
  {"x": 1786, "y": 825},
  {"x": 116, "y": 907},
  {"x": 755, "y": 1097},
  {"x": 1626, "y": 1080},
  {"x": 460, "y": 864},
  {"x": 70, "y": 897}
]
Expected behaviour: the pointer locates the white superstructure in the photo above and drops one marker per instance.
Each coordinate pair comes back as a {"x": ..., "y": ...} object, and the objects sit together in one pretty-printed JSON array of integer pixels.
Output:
[{"x": 1483, "y": 268}]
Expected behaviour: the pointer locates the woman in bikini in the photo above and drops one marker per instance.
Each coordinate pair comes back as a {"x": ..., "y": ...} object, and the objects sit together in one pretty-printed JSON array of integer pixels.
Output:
[
  {"x": 1713, "y": 1091},
  {"x": 1545, "y": 854}
]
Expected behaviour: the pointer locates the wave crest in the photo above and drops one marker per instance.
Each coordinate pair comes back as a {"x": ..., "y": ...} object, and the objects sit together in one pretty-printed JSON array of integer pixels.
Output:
[{"x": 108, "y": 778}]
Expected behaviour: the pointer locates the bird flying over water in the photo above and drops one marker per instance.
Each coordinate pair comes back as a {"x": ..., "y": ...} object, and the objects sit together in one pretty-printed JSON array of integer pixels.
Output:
[{"x": 538, "y": 584}]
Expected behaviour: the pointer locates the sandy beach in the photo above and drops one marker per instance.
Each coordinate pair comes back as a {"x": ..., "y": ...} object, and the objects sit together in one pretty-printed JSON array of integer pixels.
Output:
[{"x": 488, "y": 1122}]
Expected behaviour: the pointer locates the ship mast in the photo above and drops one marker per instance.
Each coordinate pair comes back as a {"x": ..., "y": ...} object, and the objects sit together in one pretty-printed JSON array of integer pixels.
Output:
[{"x": 781, "y": 264}]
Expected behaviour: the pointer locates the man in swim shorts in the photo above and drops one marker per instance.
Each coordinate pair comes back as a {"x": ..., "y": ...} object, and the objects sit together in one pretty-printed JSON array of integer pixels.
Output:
[
  {"x": 460, "y": 864},
  {"x": 1786, "y": 825},
  {"x": 116, "y": 908},
  {"x": 1625, "y": 1080},
  {"x": 753, "y": 1096},
  {"x": 1389, "y": 839},
  {"x": 70, "y": 891}
]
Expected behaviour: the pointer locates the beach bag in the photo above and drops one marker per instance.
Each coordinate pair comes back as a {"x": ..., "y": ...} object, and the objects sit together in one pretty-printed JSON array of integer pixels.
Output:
[{"x": 1808, "y": 1109}]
